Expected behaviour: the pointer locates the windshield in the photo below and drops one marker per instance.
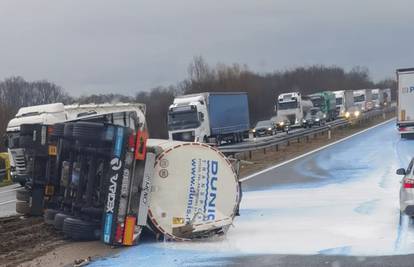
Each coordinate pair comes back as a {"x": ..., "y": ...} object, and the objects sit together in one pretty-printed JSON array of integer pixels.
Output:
[
  {"x": 359, "y": 98},
  {"x": 263, "y": 124},
  {"x": 374, "y": 96},
  {"x": 317, "y": 101},
  {"x": 314, "y": 111},
  {"x": 339, "y": 101},
  {"x": 183, "y": 120},
  {"x": 288, "y": 105}
]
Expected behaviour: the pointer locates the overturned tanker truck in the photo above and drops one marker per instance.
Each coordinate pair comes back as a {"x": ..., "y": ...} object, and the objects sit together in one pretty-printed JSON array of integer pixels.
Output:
[{"x": 105, "y": 180}]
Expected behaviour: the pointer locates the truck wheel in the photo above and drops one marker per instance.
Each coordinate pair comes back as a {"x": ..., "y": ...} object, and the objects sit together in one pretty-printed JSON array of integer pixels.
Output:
[
  {"x": 87, "y": 130},
  {"x": 59, "y": 219},
  {"x": 23, "y": 207},
  {"x": 81, "y": 230},
  {"x": 205, "y": 139},
  {"x": 49, "y": 215},
  {"x": 23, "y": 195}
]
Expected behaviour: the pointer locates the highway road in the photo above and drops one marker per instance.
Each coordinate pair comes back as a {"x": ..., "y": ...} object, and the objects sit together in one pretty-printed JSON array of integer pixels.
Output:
[{"x": 335, "y": 207}]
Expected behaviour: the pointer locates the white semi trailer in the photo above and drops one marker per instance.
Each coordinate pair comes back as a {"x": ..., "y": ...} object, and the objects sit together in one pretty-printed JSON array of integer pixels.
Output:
[
  {"x": 405, "y": 115},
  {"x": 291, "y": 108}
]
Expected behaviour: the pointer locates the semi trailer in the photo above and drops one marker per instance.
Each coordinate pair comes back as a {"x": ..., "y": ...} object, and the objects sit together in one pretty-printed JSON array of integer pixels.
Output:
[
  {"x": 209, "y": 117},
  {"x": 405, "y": 100}
]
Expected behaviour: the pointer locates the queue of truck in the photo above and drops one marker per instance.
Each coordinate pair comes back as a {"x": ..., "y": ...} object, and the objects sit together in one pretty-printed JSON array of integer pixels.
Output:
[{"x": 296, "y": 110}]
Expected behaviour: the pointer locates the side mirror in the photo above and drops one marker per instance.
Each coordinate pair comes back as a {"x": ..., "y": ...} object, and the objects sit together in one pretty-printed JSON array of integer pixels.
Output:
[{"x": 401, "y": 171}]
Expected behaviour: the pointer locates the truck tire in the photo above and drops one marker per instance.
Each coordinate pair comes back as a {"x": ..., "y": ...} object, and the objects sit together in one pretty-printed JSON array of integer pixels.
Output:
[
  {"x": 80, "y": 230},
  {"x": 49, "y": 215},
  {"x": 23, "y": 207},
  {"x": 59, "y": 219},
  {"x": 87, "y": 130},
  {"x": 23, "y": 195}
]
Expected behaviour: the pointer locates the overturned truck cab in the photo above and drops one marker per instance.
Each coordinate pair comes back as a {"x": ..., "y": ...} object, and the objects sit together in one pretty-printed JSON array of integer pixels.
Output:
[{"x": 181, "y": 191}]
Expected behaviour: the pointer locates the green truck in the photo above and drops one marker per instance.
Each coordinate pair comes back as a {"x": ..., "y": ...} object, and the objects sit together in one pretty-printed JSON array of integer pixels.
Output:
[{"x": 326, "y": 101}]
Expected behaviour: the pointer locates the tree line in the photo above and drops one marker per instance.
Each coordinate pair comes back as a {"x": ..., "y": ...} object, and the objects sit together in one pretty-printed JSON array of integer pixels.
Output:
[{"x": 262, "y": 90}]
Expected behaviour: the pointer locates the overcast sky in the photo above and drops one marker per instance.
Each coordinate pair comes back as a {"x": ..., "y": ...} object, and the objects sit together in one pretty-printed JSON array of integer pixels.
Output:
[{"x": 125, "y": 46}]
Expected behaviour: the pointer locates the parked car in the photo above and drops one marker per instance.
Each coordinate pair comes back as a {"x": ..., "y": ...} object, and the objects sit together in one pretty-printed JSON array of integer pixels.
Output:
[
  {"x": 264, "y": 128},
  {"x": 314, "y": 117},
  {"x": 407, "y": 190}
]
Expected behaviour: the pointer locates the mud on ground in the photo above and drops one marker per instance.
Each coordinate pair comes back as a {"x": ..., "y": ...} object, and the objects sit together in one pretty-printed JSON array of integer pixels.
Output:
[{"x": 23, "y": 239}]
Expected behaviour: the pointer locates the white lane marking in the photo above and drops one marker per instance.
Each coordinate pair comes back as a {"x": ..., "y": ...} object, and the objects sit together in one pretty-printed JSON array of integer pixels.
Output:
[
  {"x": 11, "y": 190},
  {"x": 7, "y": 202},
  {"x": 313, "y": 151}
]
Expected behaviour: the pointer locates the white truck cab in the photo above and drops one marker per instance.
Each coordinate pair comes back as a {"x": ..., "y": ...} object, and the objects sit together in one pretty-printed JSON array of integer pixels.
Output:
[
  {"x": 188, "y": 119},
  {"x": 291, "y": 108},
  {"x": 360, "y": 99},
  {"x": 377, "y": 98}
]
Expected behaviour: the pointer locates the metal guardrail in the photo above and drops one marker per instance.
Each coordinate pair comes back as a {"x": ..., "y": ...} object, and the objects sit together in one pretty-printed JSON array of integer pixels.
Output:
[{"x": 304, "y": 133}]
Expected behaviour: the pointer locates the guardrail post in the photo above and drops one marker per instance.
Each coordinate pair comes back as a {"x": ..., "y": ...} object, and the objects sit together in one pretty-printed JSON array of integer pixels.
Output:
[
  {"x": 264, "y": 151},
  {"x": 307, "y": 139},
  {"x": 288, "y": 143},
  {"x": 329, "y": 132},
  {"x": 277, "y": 147},
  {"x": 298, "y": 139},
  {"x": 250, "y": 154}
]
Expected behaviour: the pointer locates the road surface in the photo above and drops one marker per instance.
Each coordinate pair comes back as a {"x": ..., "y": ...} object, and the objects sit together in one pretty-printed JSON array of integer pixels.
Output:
[{"x": 336, "y": 207}]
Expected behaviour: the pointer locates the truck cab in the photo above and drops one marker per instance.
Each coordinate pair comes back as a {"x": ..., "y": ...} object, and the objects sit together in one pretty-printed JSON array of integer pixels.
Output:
[
  {"x": 360, "y": 100},
  {"x": 188, "y": 119},
  {"x": 340, "y": 103},
  {"x": 377, "y": 98},
  {"x": 326, "y": 101},
  {"x": 291, "y": 109}
]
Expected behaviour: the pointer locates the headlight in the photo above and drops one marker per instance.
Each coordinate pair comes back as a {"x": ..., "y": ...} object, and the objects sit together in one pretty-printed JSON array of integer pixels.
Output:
[
  {"x": 282, "y": 123},
  {"x": 296, "y": 121},
  {"x": 269, "y": 129},
  {"x": 356, "y": 113},
  {"x": 304, "y": 121},
  {"x": 347, "y": 114},
  {"x": 363, "y": 108},
  {"x": 317, "y": 119},
  {"x": 254, "y": 130},
  {"x": 324, "y": 115}
]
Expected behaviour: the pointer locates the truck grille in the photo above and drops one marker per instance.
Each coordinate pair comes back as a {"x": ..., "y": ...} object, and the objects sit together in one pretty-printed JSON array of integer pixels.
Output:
[
  {"x": 291, "y": 118},
  {"x": 19, "y": 161}
]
